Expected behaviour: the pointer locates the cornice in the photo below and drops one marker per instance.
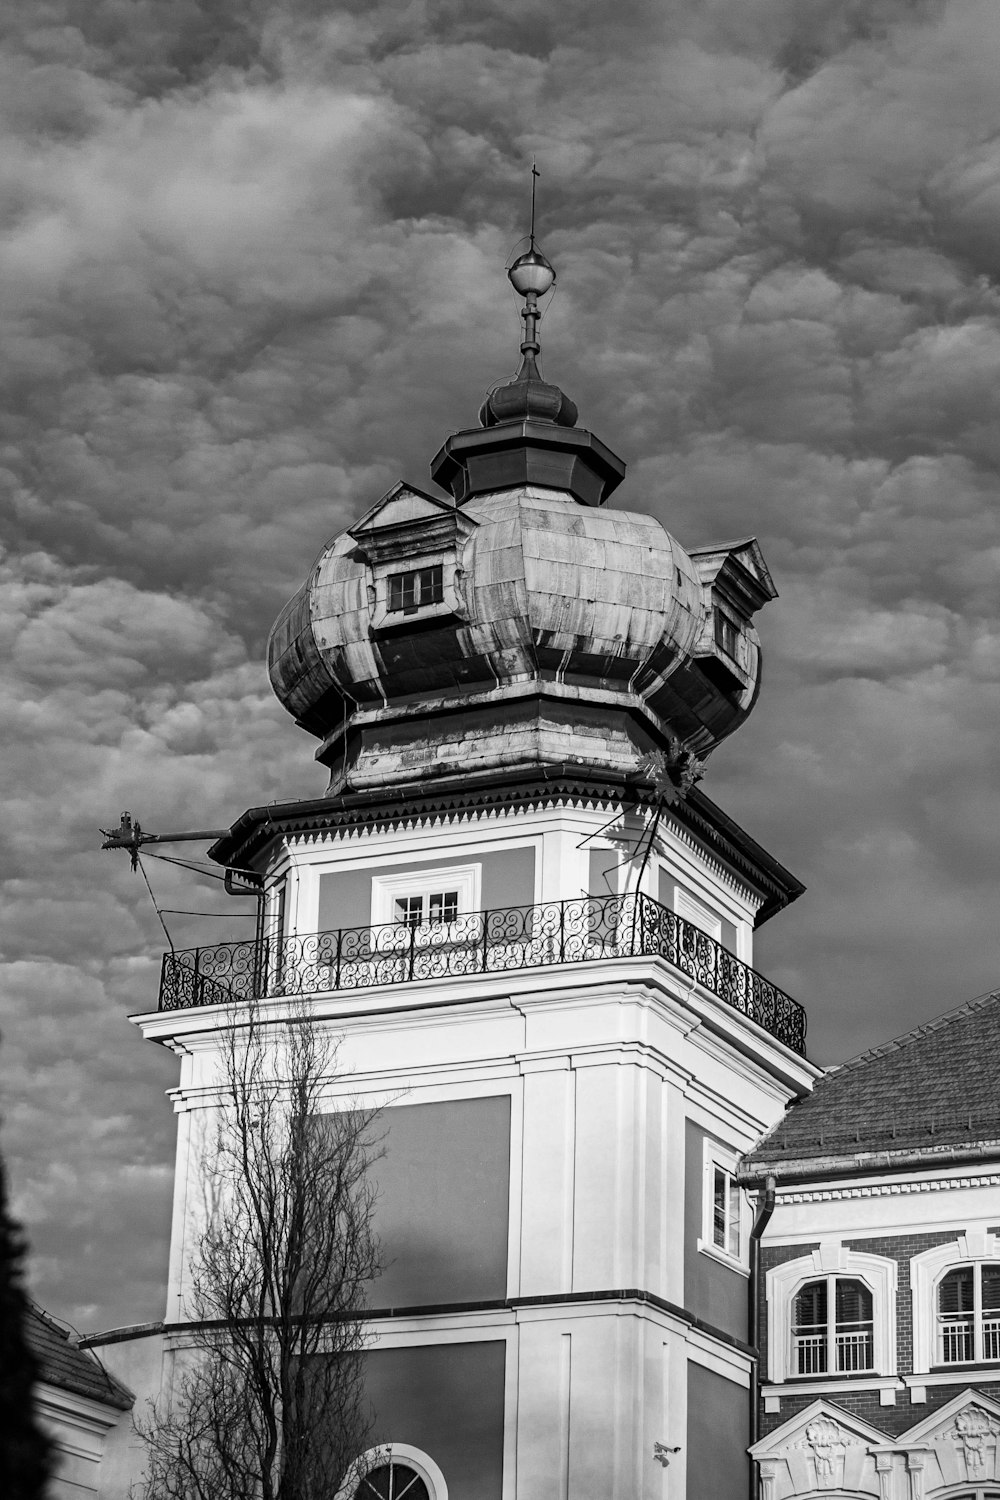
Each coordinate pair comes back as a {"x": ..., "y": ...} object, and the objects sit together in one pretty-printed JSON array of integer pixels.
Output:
[
  {"x": 889, "y": 1189},
  {"x": 716, "y": 837}
]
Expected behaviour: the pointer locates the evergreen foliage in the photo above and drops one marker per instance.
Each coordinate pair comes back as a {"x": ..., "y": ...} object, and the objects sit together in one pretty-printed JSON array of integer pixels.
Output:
[{"x": 25, "y": 1453}]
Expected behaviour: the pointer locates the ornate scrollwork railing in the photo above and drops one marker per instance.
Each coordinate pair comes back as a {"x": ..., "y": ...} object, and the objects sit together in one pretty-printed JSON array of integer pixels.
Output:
[{"x": 485, "y": 942}]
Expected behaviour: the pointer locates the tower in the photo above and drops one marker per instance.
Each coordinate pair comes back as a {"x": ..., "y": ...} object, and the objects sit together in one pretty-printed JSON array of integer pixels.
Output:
[{"x": 534, "y": 933}]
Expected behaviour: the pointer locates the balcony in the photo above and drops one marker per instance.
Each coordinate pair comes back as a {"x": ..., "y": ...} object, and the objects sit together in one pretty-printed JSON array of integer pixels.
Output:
[{"x": 489, "y": 942}]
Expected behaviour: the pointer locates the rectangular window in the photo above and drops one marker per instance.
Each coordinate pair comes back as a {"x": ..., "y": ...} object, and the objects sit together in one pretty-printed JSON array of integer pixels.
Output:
[
  {"x": 725, "y": 1212},
  {"x": 411, "y": 591},
  {"x": 726, "y": 634},
  {"x": 442, "y": 906},
  {"x": 436, "y": 906},
  {"x": 809, "y": 1330},
  {"x": 724, "y": 1228},
  {"x": 410, "y": 910},
  {"x": 432, "y": 903}
]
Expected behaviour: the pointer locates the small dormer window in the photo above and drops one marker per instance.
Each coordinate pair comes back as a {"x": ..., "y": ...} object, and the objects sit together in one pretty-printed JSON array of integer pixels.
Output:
[
  {"x": 409, "y": 592},
  {"x": 726, "y": 635}
]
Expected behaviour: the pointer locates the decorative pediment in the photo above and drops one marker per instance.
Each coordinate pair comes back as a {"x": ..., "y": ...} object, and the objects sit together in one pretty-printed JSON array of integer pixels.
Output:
[
  {"x": 738, "y": 572},
  {"x": 406, "y": 525},
  {"x": 819, "y": 1449},
  {"x": 402, "y": 504},
  {"x": 962, "y": 1438}
]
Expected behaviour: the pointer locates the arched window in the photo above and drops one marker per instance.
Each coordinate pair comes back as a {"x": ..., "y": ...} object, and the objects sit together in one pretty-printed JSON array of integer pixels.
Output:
[
  {"x": 956, "y": 1302},
  {"x": 833, "y": 1330},
  {"x": 394, "y": 1471},
  {"x": 967, "y": 1494},
  {"x": 392, "y": 1481},
  {"x": 968, "y": 1315},
  {"x": 831, "y": 1314}
]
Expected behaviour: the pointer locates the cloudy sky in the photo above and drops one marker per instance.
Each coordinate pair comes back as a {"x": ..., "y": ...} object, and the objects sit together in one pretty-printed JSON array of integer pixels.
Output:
[{"x": 251, "y": 273}]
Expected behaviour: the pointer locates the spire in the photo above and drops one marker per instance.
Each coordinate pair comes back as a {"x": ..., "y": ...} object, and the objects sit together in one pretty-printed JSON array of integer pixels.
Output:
[
  {"x": 531, "y": 435},
  {"x": 528, "y": 396}
]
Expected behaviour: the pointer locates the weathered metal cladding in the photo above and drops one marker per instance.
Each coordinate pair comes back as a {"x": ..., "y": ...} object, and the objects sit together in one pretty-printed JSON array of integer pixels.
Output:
[
  {"x": 570, "y": 591},
  {"x": 320, "y": 658},
  {"x": 542, "y": 589}
]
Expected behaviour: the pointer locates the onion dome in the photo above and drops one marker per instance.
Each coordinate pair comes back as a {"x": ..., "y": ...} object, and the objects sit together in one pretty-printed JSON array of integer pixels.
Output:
[
  {"x": 512, "y": 626},
  {"x": 518, "y": 631},
  {"x": 528, "y": 398}
]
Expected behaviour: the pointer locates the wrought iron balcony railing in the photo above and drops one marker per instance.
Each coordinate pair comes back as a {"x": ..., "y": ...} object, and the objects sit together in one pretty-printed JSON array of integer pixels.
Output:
[{"x": 486, "y": 942}]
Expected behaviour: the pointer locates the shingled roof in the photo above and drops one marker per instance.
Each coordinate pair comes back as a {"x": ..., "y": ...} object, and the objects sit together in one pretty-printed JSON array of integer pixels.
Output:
[
  {"x": 61, "y": 1363},
  {"x": 934, "y": 1089}
]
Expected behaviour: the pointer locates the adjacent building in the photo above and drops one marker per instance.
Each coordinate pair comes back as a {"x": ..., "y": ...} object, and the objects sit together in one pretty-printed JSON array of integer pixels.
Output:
[
  {"x": 880, "y": 1307},
  {"x": 79, "y": 1404}
]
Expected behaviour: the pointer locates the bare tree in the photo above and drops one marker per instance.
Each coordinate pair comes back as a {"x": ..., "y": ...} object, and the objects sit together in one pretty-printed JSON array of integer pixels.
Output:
[{"x": 268, "y": 1402}]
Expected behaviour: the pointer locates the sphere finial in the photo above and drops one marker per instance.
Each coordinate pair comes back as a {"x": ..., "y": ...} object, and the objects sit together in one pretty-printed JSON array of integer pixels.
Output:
[
  {"x": 528, "y": 397},
  {"x": 531, "y": 276}
]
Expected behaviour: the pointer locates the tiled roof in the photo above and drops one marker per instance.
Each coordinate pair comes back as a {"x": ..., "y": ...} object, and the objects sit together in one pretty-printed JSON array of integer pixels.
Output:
[
  {"x": 935, "y": 1087},
  {"x": 62, "y": 1364}
]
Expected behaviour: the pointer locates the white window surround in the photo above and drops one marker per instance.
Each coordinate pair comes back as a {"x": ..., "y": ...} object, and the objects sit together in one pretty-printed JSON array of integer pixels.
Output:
[
  {"x": 717, "y": 1156},
  {"x": 449, "y": 604},
  {"x": 396, "y": 1453},
  {"x": 697, "y": 913},
  {"x": 926, "y": 1270},
  {"x": 706, "y": 906},
  {"x": 879, "y": 1275},
  {"x": 388, "y": 889}
]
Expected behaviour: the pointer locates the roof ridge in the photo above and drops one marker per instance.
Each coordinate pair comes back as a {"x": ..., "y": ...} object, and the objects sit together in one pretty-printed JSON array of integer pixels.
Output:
[{"x": 926, "y": 1028}]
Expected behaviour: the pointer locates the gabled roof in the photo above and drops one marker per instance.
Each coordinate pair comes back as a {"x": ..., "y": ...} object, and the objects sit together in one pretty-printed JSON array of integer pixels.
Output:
[
  {"x": 62, "y": 1363},
  {"x": 403, "y": 503},
  {"x": 934, "y": 1089},
  {"x": 741, "y": 565}
]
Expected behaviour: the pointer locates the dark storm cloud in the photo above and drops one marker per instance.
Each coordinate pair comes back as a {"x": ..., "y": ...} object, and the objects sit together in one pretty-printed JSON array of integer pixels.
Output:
[{"x": 251, "y": 273}]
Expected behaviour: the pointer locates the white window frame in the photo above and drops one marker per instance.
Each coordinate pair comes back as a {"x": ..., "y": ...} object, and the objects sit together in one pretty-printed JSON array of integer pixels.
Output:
[
  {"x": 388, "y": 889},
  {"x": 831, "y": 1258},
  {"x": 828, "y": 1335},
  {"x": 927, "y": 1270},
  {"x": 390, "y": 1453},
  {"x": 449, "y": 604},
  {"x": 717, "y": 1157}
]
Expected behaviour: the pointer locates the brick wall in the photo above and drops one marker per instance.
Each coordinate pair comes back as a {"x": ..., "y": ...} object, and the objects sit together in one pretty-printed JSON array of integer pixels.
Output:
[{"x": 892, "y": 1420}]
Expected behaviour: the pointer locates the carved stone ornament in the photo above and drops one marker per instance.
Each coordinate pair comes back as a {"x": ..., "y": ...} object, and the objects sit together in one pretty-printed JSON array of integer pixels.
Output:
[
  {"x": 662, "y": 1454},
  {"x": 971, "y": 1434},
  {"x": 826, "y": 1442}
]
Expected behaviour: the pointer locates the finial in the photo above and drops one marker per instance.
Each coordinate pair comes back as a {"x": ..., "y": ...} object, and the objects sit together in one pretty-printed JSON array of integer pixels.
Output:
[
  {"x": 528, "y": 396},
  {"x": 531, "y": 276},
  {"x": 535, "y": 174}
]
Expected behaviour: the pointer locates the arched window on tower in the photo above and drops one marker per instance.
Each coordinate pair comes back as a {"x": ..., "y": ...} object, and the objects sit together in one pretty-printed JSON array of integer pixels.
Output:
[
  {"x": 832, "y": 1327},
  {"x": 392, "y": 1481},
  {"x": 394, "y": 1471}
]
